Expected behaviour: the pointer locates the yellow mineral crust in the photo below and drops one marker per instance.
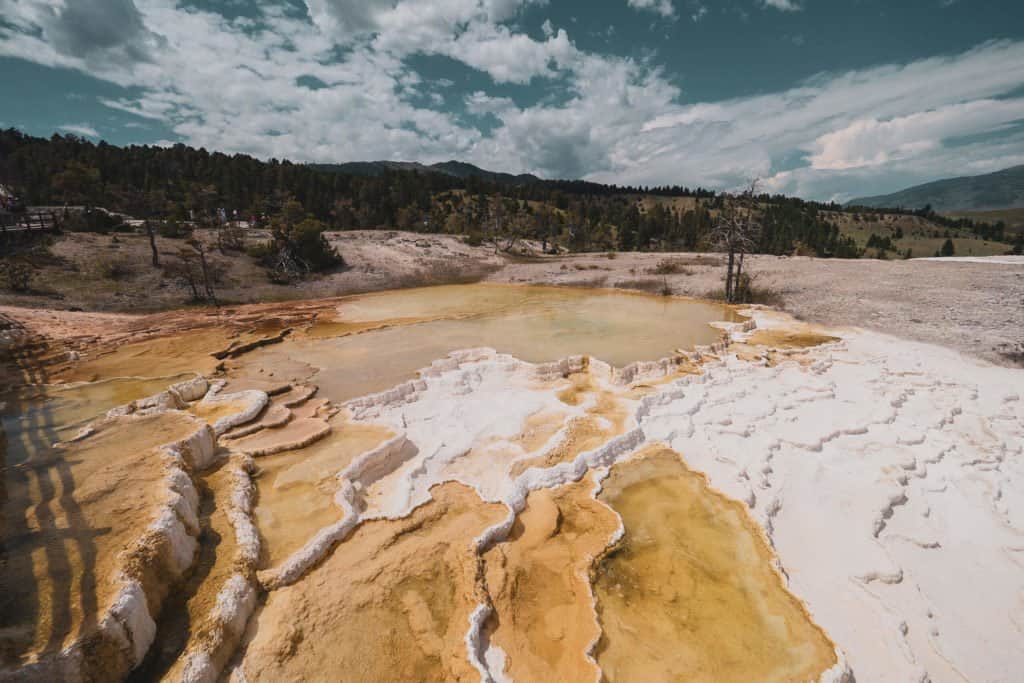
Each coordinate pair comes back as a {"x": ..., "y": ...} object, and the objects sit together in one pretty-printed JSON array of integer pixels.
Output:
[
  {"x": 544, "y": 617},
  {"x": 296, "y": 489},
  {"x": 390, "y": 603},
  {"x": 185, "y": 352},
  {"x": 604, "y": 418},
  {"x": 691, "y": 591},
  {"x": 69, "y": 513}
]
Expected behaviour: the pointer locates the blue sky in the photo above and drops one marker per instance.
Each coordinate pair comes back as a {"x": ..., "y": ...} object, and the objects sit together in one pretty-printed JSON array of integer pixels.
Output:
[{"x": 826, "y": 99}]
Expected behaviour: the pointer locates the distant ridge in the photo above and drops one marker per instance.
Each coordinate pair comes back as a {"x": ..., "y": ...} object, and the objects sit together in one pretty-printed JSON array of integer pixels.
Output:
[
  {"x": 459, "y": 169},
  {"x": 992, "y": 191}
]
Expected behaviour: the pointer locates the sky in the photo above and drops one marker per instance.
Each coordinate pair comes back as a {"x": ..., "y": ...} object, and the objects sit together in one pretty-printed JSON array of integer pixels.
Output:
[{"x": 823, "y": 99}]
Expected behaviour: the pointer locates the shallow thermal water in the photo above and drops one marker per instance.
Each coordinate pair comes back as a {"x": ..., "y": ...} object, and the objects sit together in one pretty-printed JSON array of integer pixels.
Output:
[
  {"x": 34, "y": 418},
  {"x": 690, "y": 593},
  {"x": 534, "y": 324}
]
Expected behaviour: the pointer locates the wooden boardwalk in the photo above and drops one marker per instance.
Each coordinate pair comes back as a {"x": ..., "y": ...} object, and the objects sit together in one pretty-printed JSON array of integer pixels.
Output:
[{"x": 33, "y": 220}]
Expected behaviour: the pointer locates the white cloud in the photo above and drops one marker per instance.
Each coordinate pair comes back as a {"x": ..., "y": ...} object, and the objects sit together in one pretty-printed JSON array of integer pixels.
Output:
[
  {"x": 916, "y": 108},
  {"x": 784, "y": 5},
  {"x": 231, "y": 85},
  {"x": 871, "y": 142},
  {"x": 83, "y": 129},
  {"x": 97, "y": 32},
  {"x": 662, "y": 7}
]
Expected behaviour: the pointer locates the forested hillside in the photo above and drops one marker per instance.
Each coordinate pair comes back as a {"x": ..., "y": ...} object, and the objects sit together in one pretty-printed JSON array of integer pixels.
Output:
[{"x": 186, "y": 184}]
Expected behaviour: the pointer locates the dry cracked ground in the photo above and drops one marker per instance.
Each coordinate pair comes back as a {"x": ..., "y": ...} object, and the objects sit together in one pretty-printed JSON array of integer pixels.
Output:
[{"x": 344, "y": 490}]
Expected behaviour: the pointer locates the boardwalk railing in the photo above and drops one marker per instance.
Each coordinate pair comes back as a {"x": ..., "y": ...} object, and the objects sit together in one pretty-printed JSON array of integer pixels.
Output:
[{"x": 12, "y": 224}]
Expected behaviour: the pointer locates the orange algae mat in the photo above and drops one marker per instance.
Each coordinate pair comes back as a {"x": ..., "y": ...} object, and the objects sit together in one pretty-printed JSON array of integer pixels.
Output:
[
  {"x": 296, "y": 488},
  {"x": 690, "y": 592},
  {"x": 543, "y": 615},
  {"x": 390, "y": 603}
]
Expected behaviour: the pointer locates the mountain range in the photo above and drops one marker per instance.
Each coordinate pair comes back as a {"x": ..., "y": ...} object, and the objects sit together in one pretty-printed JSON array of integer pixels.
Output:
[
  {"x": 459, "y": 169},
  {"x": 1000, "y": 190}
]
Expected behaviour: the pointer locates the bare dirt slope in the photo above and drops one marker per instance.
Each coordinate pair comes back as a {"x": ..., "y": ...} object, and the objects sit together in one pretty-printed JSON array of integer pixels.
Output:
[{"x": 114, "y": 272}]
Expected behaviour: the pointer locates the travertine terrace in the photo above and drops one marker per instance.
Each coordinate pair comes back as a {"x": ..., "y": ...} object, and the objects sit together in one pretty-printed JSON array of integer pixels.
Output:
[{"x": 346, "y": 491}]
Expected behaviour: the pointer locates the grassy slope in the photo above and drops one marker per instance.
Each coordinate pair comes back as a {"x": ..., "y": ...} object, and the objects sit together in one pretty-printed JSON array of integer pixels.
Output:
[
  {"x": 1013, "y": 218},
  {"x": 919, "y": 235}
]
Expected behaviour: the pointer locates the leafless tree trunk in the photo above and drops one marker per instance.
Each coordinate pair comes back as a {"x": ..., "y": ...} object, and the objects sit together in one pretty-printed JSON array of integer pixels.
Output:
[
  {"x": 497, "y": 216},
  {"x": 736, "y": 233},
  {"x": 728, "y": 275},
  {"x": 740, "y": 286},
  {"x": 207, "y": 283},
  {"x": 152, "y": 244}
]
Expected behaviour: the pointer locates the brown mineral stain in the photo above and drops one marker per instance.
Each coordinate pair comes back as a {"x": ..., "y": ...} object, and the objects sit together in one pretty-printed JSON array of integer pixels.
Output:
[
  {"x": 215, "y": 410},
  {"x": 184, "y": 352},
  {"x": 691, "y": 592},
  {"x": 684, "y": 367},
  {"x": 604, "y": 419},
  {"x": 275, "y": 371},
  {"x": 37, "y": 417},
  {"x": 296, "y": 489},
  {"x": 497, "y": 454},
  {"x": 544, "y": 618},
  {"x": 68, "y": 515},
  {"x": 390, "y": 603},
  {"x": 295, "y": 434},
  {"x": 789, "y": 338}
]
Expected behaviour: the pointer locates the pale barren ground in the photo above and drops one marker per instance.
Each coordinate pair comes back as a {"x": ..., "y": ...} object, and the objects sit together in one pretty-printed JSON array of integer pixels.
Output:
[{"x": 976, "y": 308}]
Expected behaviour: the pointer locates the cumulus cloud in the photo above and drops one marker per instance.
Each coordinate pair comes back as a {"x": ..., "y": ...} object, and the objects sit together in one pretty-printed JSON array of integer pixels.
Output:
[
  {"x": 97, "y": 32},
  {"x": 784, "y": 5},
  {"x": 347, "y": 16},
  {"x": 662, "y": 7},
  {"x": 894, "y": 119},
  {"x": 871, "y": 142},
  {"x": 83, "y": 129},
  {"x": 236, "y": 85}
]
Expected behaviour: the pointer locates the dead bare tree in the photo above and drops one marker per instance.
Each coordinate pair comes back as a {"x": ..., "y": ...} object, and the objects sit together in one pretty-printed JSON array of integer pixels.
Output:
[
  {"x": 200, "y": 250},
  {"x": 507, "y": 224},
  {"x": 185, "y": 270},
  {"x": 752, "y": 230},
  {"x": 496, "y": 221},
  {"x": 152, "y": 244},
  {"x": 736, "y": 232}
]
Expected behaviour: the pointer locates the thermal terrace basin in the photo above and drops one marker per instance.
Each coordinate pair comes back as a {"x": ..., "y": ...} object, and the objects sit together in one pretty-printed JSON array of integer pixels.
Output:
[{"x": 379, "y": 340}]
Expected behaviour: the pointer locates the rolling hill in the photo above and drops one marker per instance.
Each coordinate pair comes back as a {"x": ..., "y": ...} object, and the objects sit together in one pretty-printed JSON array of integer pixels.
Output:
[
  {"x": 1000, "y": 190},
  {"x": 458, "y": 169}
]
